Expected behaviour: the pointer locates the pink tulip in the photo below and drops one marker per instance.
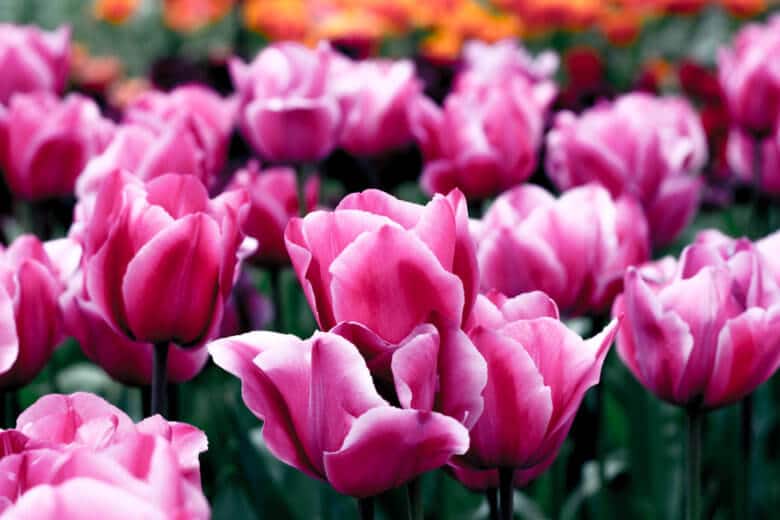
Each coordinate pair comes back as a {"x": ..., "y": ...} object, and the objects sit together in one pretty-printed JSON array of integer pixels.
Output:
[
  {"x": 323, "y": 415},
  {"x": 33, "y": 328},
  {"x": 78, "y": 443},
  {"x": 750, "y": 78},
  {"x": 742, "y": 158},
  {"x": 273, "y": 201},
  {"x": 486, "y": 137},
  {"x": 375, "y": 95},
  {"x": 692, "y": 354},
  {"x": 46, "y": 142},
  {"x": 575, "y": 249},
  {"x": 538, "y": 373},
  {"x": 640, "y": 145},
  {"x": 32, "y": 60},
  {"x": 160, "y": 258},
  {"x": 385, "y": 265},
  {"x": 287, "y": 112}
]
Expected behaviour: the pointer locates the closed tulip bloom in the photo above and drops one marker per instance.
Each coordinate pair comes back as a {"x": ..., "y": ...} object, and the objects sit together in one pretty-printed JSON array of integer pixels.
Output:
[
  {"x": 575, "y": 248},
  {"x": 702, "y": 355},
  {"x": 160, "y": 257},
  {"x": 28, "y": 278},
  {"x": 386, "y": 265},
  {"x": 80, "y": 444},
  {"x": 287, "y": 112},
  {"x": 750, "y": 77},
  {"x": 374, "y": 96},
  {"x": 32, "y": 60},
  {"x": 323, "y": 415},
  {"x": 273, "y": 201},
  {"x": 741, "y": 155},
  {"x": 538, "y": 373},
  {"x": 46, "y": 142},
  {"x": 640, "y": 145}
]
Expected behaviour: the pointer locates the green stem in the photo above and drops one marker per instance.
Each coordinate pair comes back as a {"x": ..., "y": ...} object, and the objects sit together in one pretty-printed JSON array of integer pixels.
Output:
[
  {"x": 414, "y": 499},
  {"x": 366, "y": 508},
  {"x": 274, "y": 274},
  {"x": 159, "y": 401},
  {"x": 9, "y": 401},
  {"x": 506, "y": 492},
  {"x": 745, "y": 449},
  {"x": 491, "y": 494},
  {"x": 693, "y": 483}
]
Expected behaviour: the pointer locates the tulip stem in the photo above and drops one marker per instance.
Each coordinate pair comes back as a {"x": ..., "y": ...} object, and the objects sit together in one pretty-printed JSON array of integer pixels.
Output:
[
  {"x": 414, "y": 499},
  {"x": 693, "y": 484},
  {"x": 9, "y": 400},
  {"x": 274, "y": 275},
  {"x": 506, "y": 492},
  {"x": 492, "y": 499},
  {"x": 159, "y": 379},
  {"x": 366, "y": 508},
  {"x": 746, "y": 449}
]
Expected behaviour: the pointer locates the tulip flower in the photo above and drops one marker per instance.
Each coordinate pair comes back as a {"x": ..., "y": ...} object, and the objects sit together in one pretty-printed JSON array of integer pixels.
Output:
[
  {"x": 640, "y": 145},
  {"x": 273, "y": 201},
  {"x": 323, "y": 415},
  {"x": 538, "y": 373},
  {"x": 31, "y": 321},
  {"x": 743, "y": 152},
  {"x": 287, "y": 112},
  {"x": 575, "y": 248},
  {"x": 385, "y": 266},
  {"x": 76, "y": 456},
  {"x": 45, "y": 143},
  {"x": 160, "y": 260},
  {"x": 749, "y": 78},
  {"x": 32, "y": 60}
]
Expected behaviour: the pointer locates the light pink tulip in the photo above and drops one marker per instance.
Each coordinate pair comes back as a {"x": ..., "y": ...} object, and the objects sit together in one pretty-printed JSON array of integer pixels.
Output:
[
  {"x": 707, "y": 335},
  {"x": 640, "y": 145},
  {"x": 323, "y": 415},
  {"x": 750, "y": 77},
  {"x": 385, "y": 265},
  {"x": 45, "y": 142},
  {"x": 538, "y": 373},
  {"x": 273, "y": 201},
  {"x": 160, "y": 258},
  {"x": 33, "y": 328},
  {"x": 288, "y": 113},
  {"x": 32, "y": 60},
  {"x": 79, "y": 443},
  {"x": 575, "y": 249}
]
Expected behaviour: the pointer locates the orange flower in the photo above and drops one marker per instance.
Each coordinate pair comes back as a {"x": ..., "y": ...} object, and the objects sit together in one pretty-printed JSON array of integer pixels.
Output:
[
  {"x": 278, "y": 19},
  {"x": 192, "y": 15},
  {"x": 569, "y": 14},
  {"x": 114, "y": 11},
  {"x": 621, "y": 26},
  {"x": 93, "y": 73},
  {"x": 744, "y": 8}
]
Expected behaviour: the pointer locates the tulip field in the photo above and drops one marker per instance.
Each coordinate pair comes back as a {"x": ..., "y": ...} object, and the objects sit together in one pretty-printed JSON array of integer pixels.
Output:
[{"x": 389, "y": 259}]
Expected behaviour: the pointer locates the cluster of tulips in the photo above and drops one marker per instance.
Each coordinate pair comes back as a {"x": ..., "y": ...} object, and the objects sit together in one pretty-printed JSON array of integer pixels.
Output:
[{"x": 441, "y": 340}]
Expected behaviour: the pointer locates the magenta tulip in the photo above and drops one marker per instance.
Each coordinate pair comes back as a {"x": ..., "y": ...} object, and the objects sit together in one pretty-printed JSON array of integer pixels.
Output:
[
  {"x": 750, "y": 78},
  {"x": 46, "y": 142},
  {"x": 34, "y": 327},
  {"x": 160, "y": 258},
  {"x": 273, "y": 201},
  {"x": 697, "y": 355},
  {"x": 385, "y": 265},
  {"x": 81, "y": 444},
  {"x": 640, "y": 145},
  {"x": 32, "y": 60},
  {"x": 741, "y": 155},
  {"x": 575, "y": 249},
  {"x": 323, "y": 415},
  {"x": 288, "y": 113}
]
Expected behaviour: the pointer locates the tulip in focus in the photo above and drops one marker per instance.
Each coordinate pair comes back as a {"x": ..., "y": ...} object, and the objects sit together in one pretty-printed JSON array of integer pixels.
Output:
[
  {"x": 45, "y": 142},
  {"x": 640, "y": 145},
  {"x": 32, "y": 60},
  {"x": 575, "y": 248},
  {"x": 76, "y": 456},
  {"x": 288, "y": 114}
]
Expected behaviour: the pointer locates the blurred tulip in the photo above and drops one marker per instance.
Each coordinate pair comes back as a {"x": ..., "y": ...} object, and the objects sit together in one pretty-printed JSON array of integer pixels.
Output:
[
  {"x": 323, "y": 415},
  {"x": 32, "y": 60},
  {"x": 273, "y": 201},
  {"x": 640, "y": 145},
  {"x": 45, "y": 143},
  {"x": 695, "y": 355},
  {"x": 193, "y": 15},
  {"x": 287, "y": 112},
  {"x": 386, "y": 265},
  {"x": 115, "y": 11},
  {"x": 750, "y": 79},
  {"x": 741, "y": 155},
  {"x": 76, "y": 456},
  {"x": 575, "y": 249},
  {"x": 28, "y": 277},
  {"x": 160, "y": 258}
]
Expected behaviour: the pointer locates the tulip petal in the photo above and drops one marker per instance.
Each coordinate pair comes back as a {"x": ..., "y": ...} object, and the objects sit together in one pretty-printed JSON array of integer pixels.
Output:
[{"x": 9, "y": 341}]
